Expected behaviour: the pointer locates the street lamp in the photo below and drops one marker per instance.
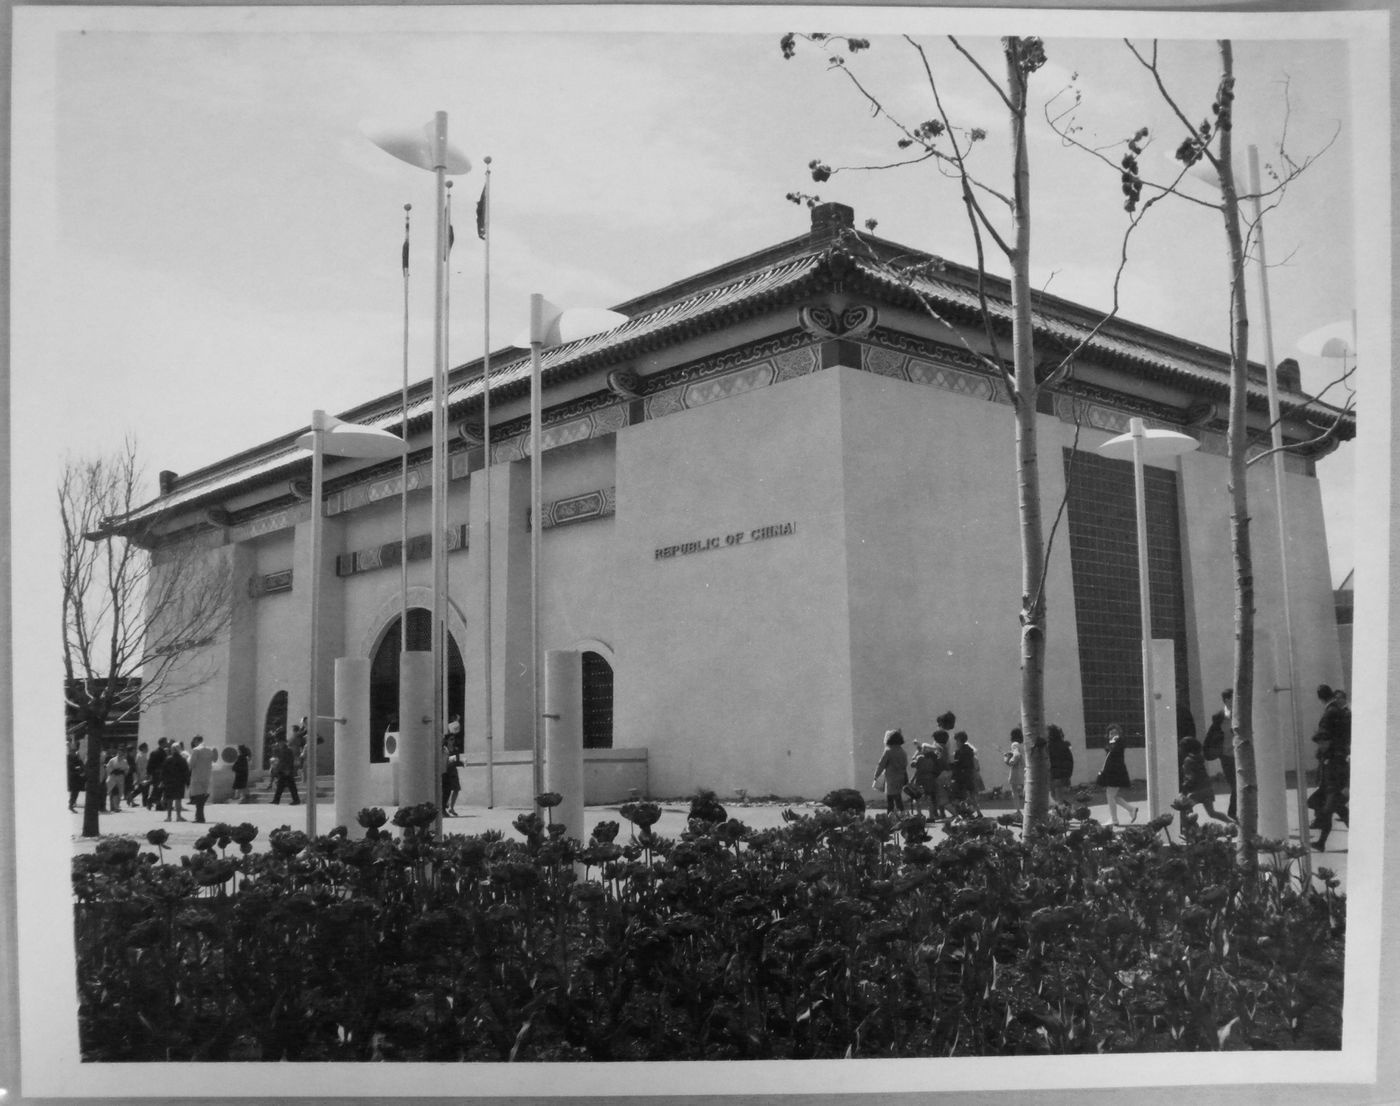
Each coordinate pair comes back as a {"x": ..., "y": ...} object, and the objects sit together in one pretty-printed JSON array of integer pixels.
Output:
[
  {"x": 427, "y": 148},
  {"x": 549, "y": 326},
  {"x": 329, "y": 435},
  {"x": 1140, "y": 445}
]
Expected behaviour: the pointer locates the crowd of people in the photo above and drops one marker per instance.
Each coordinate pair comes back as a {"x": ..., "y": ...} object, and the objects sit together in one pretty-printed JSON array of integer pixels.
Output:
[
  {"x": 944, "y": 774},
  {"x": 157, "y": 779}
]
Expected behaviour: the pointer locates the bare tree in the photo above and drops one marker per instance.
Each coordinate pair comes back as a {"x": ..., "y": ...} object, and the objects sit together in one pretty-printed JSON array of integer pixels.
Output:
[
  {"x": 1211, "y": 143},
  {"x": 136, "y": 613},
  {"x": 949, "y": 148}
]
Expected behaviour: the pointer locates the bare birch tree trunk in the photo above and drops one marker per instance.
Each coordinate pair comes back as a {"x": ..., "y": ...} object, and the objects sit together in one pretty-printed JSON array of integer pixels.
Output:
[
  {"x": 1033, "y": 626},
  {"x": 1242, "y": 713}
]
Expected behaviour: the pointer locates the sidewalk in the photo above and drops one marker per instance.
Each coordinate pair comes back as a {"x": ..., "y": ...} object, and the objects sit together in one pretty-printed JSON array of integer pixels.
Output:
[{"x": 136, "y": 822}]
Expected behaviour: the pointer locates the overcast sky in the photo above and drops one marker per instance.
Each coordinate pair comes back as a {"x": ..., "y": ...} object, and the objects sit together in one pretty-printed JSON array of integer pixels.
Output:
[{"x": 207, "y": 243}]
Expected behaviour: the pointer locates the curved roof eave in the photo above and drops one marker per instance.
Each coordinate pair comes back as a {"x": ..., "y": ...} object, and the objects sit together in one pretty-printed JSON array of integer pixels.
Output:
[
  {"x": 1114, "y": 346},
  {"x": 705, "y": 310}
]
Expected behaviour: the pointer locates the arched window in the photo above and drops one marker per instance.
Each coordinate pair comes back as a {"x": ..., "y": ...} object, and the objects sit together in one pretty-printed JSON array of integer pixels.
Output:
[
  {"x": 384, "y": 676},
  {"x": 597, "y": 702},
  {"x": 274, "y": 725}
]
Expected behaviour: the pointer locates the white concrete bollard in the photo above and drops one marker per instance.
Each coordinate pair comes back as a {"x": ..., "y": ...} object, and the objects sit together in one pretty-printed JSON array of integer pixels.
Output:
[
  {"x": 1165, "y": 776},
  {"x": 563, "y": 737},
  {"x": 1270, "y": 742},
  {"x": 352, "y": 766},
  {"x": 418, "y": 745}
]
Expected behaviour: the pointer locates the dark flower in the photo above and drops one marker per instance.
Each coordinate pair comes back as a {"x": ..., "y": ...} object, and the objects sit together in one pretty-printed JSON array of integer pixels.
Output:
[
  {"x": 604, "y": 832},
  {"x": 286, "y": 841},
  {"x": 641, "y": 815},
  {"x": 244, "y": 832}
]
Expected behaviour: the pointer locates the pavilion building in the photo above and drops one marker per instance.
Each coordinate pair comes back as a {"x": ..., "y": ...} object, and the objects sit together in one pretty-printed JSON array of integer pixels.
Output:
[{"x": 779, "y": 518}]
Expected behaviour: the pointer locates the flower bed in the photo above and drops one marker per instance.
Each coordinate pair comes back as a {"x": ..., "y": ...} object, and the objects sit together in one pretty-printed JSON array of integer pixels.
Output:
[{"x": 835, "y": 935}]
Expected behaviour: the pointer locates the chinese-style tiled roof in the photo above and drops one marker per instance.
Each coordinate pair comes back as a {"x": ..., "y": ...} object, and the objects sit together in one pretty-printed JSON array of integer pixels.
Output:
[{"x": 782, "y": 274}]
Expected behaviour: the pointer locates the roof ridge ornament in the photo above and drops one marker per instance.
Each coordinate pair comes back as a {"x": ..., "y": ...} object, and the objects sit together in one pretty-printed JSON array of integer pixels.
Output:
[{"x": 822, "y": 322}]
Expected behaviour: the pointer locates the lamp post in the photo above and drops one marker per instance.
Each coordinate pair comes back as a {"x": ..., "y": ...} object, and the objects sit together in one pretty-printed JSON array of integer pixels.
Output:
[
  {"x": 1140, "y": 445},
  {"x": 329, "y": 435},
  {"x": 427, "y": 148},
  {"x": 549, "y": 326}
]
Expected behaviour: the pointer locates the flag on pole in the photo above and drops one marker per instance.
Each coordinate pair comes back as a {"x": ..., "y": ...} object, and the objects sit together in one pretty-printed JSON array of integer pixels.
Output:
[
  {"x": 481, "y": 214},
  {"x": 405, "y": 245}
]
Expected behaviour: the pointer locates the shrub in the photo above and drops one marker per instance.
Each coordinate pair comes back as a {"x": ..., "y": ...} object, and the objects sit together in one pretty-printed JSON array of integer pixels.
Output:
[{"x": 834, "y": 935}]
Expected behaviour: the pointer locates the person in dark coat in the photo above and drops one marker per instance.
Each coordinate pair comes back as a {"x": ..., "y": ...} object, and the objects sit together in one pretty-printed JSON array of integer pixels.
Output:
[
  {"x": 77, "y": 776},
  {"x": 1220, "y": 744},
  {"x": 965, "y": 774},
  {"x": 1113, "y": 776},
  {"x": 451, "y": 778},
  {"x": 1333, "y": 732},
  {"x": 284, "y": 771},
  {"x": 174, "y": 776},
  {"x": 1061, "y": 761},
  {"x": 155, "y": 763},
  {"x": 240, "y": 774},
  {"x": 1195, "y": 781},
  {"x": 1334, "y": 783}
]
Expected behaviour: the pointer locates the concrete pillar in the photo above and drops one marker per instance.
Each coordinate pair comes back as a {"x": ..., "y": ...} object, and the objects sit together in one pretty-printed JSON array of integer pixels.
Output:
[
  {"x": 1165, "y": 774},
  {"x": 352, "y": 770},
  {"x": 563, "y": 736},
  {"x": 1270, "y": 740},
  {"x": 418, "y": 745},
  {"x": 330, "y": 629},
  {"x": 510, "y": 600},
  {"x": 242, "y": 712}
]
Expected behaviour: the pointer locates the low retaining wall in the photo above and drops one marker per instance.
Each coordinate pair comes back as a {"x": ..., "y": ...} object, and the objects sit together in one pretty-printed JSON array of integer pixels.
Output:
[{"x": 609, "y": 776}]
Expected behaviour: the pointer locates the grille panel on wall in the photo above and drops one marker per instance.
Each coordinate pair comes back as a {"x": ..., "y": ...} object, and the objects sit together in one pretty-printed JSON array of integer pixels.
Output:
[
  {"x": 597, "y": 702},
  {"x": 1103, "y": 557}
]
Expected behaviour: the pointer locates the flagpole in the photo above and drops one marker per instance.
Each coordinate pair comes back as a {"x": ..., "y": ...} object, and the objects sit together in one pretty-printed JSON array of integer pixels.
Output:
[
  {"x": 537, "y": 325},
  {"x": 484, "y": 231},
  {"x": 443, "y": 661},
  {"x": 403, "y": 491},
  {"x": 439, "y": 512}
]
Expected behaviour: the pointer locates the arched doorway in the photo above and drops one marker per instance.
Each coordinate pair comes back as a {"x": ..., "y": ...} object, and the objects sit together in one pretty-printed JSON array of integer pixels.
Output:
[
  {"x": 384, "y": 676},
  {"x": 274, "y": 723}
]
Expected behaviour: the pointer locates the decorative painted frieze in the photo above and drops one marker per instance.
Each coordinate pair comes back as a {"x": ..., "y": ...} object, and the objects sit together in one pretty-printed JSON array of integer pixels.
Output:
[
  {"x": 270, "y": 523},
  {"x": 269, "y": 583},
  {"x": 951, "y": 368},
  {"x": 580, "y": 508},
  {"x": 388, "y": 555},
  {"x": 372, "y": 491}
]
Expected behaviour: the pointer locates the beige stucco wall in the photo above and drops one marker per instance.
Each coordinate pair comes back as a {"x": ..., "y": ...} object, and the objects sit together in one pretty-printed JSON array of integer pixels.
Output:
[
  {"x": 935, "y": 569},
  {"x": 732, "y": 664},
  {"x": 1208, "y": 560}
]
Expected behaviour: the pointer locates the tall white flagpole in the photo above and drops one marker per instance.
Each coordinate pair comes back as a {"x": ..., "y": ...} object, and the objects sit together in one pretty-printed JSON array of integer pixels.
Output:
[
  {"x": 313, "y": 706},
  {"x": 439, "y": 513},
  {"x": 485, "y": 231},
  {"x": 537, "y": 337},
  {"x": 403, "y": 469},
  {"x": 443, "y": 661},
  {"x": 1276, "y": 441}
]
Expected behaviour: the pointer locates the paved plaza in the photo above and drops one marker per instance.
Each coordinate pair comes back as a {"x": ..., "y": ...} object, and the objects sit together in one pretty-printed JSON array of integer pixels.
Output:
[{"x": 758, "y": 814}]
